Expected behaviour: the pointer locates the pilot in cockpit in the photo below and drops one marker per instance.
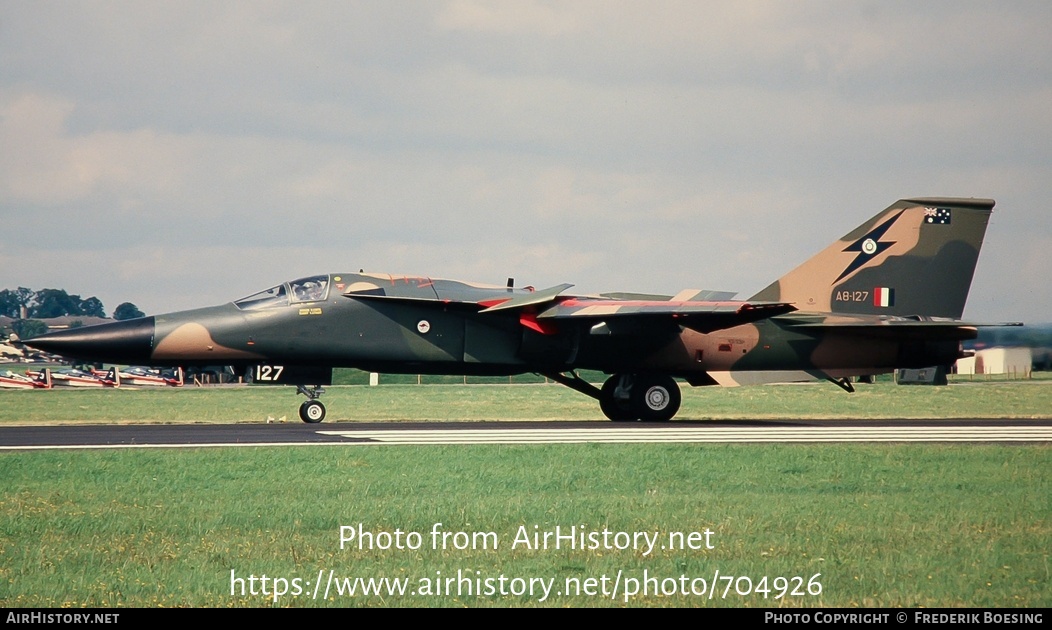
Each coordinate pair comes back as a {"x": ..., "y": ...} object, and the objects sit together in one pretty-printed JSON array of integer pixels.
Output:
[{"x": 310, "y": 291}]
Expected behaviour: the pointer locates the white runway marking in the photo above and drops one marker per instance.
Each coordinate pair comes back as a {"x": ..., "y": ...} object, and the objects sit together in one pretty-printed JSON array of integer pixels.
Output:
[
  {"x": 661, "y": 434},
  {"x": 705, "y": 434}
]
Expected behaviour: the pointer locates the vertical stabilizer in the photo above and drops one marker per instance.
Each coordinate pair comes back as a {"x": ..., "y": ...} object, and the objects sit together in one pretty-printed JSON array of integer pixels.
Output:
[{"x": 917, "y": 257}]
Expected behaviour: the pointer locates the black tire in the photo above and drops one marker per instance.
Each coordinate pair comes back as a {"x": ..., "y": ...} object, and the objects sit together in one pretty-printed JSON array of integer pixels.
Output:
[
  {"x": 655, "y": 398},
  {"x": 614, "y": 408},
  {"x": 312, "y": 411}
]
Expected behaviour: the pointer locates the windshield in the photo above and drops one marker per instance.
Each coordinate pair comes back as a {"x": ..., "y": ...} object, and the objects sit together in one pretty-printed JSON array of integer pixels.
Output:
[
  {"x": 274, "y": 296},
  {"x": 312, "y": 289}
]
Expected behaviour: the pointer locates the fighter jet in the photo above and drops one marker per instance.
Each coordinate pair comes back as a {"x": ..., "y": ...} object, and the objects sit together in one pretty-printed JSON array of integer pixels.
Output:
[{"x": 888, "y": 295}]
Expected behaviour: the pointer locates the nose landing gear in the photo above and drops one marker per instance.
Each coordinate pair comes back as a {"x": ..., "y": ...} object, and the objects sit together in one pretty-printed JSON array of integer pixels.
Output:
[{"x": 312, "y": 410}]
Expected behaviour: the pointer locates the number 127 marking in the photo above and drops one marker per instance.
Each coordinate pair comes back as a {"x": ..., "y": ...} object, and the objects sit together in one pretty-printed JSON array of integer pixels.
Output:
[{"x": 269, "y": 372}]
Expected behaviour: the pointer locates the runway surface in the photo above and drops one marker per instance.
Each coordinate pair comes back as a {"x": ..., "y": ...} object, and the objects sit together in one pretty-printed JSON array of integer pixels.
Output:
[{"x": 1007, "y": 431}]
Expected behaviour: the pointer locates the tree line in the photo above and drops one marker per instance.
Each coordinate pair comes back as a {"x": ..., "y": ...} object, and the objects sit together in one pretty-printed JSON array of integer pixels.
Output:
[{"x": 23, "y": 303}]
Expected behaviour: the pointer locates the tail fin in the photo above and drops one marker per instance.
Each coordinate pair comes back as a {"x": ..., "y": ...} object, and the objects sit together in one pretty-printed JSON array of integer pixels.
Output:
[
  {"x": 42, "y": 379},
  {"x": 916, "y": 257}
]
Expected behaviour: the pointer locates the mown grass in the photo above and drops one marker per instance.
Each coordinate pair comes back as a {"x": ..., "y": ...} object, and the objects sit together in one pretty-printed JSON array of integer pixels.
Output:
[
  {"x": 997, "y": 399},
  {"x": 899, "y": 526}
]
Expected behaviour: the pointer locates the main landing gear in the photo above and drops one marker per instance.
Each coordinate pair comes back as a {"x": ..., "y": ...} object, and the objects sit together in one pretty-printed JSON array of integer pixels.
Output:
[
  {"x": 628, "y": 397},
  {"x": 646, "y": 397},
  {"x": 312, "y": 410}
]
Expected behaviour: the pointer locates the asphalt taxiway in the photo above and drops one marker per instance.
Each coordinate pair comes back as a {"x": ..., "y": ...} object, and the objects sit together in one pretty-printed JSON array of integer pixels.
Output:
[{"x": 1007, "y": 431}]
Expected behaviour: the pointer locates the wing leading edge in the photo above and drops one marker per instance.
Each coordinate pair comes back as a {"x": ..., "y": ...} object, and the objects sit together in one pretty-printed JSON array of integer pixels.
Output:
[
  {"x": 701, "y": 316},
  {"x": 545, "y": 309}
]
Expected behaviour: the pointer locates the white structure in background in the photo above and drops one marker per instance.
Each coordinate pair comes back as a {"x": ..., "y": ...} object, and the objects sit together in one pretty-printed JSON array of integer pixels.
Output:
[
  {"x": 9, "y": 353},
  {"x": 1016, "y": 361}
]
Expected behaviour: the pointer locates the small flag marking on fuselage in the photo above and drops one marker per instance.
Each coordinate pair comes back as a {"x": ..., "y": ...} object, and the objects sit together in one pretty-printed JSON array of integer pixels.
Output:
[{"x": 883, "y": 297}]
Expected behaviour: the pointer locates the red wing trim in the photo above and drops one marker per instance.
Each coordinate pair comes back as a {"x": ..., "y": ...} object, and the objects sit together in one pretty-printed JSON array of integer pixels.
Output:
[{"x": 529, "y": 320}]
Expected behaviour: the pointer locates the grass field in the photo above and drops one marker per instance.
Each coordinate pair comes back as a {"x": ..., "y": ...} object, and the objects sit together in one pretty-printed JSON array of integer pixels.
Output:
[
  {"x": 900, "y": 526},
  {"x": 867, "y": 525},
  {"x": 998, "y": 399}
]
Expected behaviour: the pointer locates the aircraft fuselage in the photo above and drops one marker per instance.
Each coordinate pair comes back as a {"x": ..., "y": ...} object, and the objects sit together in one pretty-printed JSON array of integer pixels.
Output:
[
  {"x": 403, "y": 335},
  {"x": 887, "y": 295}
]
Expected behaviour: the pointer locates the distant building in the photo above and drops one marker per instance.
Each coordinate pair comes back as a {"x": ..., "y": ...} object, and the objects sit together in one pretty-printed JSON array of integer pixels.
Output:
[
  {"x": 1018, "y": 361},
  {"x": 61, "y": 323}
]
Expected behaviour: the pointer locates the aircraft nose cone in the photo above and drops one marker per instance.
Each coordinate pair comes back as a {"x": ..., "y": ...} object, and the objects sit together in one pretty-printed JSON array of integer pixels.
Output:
[{"x": 128, "y": 342}]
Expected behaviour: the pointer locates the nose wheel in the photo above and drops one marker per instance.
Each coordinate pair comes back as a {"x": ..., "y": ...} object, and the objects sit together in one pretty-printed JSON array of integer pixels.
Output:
[{"x": 312, "y": 410}]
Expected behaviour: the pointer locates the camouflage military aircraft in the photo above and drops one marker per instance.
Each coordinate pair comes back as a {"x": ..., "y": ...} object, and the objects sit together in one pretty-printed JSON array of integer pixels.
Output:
[{"x": 888, "y": 295}]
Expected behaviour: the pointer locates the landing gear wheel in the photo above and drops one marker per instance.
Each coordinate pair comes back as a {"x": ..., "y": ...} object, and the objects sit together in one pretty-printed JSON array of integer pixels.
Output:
[
  {"x": 617, "y": 409},
  {"x": 312, "y": 411},
  {"x": 655, "y": 398}
]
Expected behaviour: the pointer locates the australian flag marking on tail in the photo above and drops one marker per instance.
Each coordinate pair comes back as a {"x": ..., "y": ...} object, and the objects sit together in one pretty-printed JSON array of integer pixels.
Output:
[{"x": 937, "y": 216}]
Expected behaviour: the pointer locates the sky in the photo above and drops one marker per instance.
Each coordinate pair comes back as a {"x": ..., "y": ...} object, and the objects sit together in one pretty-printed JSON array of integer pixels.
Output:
[{"x": 184, "y": 154}]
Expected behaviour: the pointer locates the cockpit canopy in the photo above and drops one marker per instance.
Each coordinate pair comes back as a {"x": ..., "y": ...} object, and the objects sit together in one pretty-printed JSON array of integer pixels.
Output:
[{"x": 310, "y": 289}]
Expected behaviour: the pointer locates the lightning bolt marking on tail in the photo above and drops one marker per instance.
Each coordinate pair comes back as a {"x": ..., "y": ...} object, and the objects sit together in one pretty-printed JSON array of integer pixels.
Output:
[{"x": 869, "y": 246}]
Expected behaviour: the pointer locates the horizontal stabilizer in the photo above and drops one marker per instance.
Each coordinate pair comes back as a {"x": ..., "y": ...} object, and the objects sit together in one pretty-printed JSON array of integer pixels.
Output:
[
  {"x": 836, "y": 322},
  {"x": 897, "y": 327}
]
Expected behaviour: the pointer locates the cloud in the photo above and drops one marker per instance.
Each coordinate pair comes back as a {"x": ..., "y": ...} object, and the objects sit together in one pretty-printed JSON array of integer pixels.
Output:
[
  {"x": 631, "y": 146},
  {"x": 514, "y": 17},
  {"x": 38, "y": 164}
]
